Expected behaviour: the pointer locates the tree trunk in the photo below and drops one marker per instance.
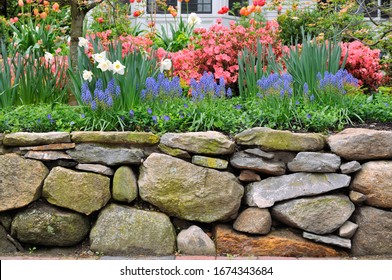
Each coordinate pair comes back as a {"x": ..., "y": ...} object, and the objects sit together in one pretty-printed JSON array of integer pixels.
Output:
[{"x": 77, "y": 14}]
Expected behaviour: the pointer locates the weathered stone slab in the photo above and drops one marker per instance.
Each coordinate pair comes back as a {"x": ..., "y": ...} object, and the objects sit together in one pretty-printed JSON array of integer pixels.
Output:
[
  {"x": 96, "y": 168},
  {"x": 265, "y": 193},
  {"x": 348, "y": 229},
  {"x": 174, "y": 152},
  {"x": 208, "y": 143},
  {"x": 283, "y": 243},
  {"x": 329, "y": 239},
  {"x": 188, "y": 191},
  {"x": 320, "y": 215},
  {"x": 125, "y": 185},
  {"x": 83, "y": 192},
  {"x": 210, "y": 162},
  {"x": 114, "y": 137},
  {"x": 20, "y": 181},
  {"x": 253, "y": 220},
  {"x": 194, "y": 241},
  {"x": 91, "y": 153},
  {"x": 362, "y": 144},
  {"x": 47, "y": 155},
  {"x": 350, "y": 167},
  {"x": 374, "y": 233},
  {"x": 314, "y": 162},
  {"x": 374, "y": 181},
  {"x": 49, "y": 147},
  {"x": 44, "y": 224},
  {"x": 259, "y": 153},
  {"x": 125, "y": 231},
  {"x": 35, "y": 139},
  {"x": 270, "y": 139},
  {"x": 249, "y": 176},
  {"x": 243, "y": 160}
]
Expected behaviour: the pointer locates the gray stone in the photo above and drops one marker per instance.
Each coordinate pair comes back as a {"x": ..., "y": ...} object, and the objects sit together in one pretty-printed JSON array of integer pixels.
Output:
[
  {"x": 83, "y": 192},
  {"x": 280, "y": 140},
  {"x": 329, "y": 239},
  {"x": 194, "y": 241},
  {"x": 361, "y": 144},
  {"x": 285, "y": 157},
  {"x": 350, "y": 167},
  {"x": 5, "y": 220},
  {"x": 249, "y": 176},
  {"x": 374, "y": 233},
  {"x": 210, "y": 162},
  {"x": 320, "y": 215},
  {"x": 208, "y": 143},
  {"x": 115, "y": 137},
  {"x": 265, "y": 193},
  {"x": 91, "y": 153},
  {"x": 49, "y": 147},
  {"x": 96, "y": 168},
  {"x": 314, "y": 162},
  {"x": 2, "y": 150},
  {"x": 125, "y": 185},
  {"x": 374, "y": 181},
  {"x": 188, "y": 191},
  {"x": 348, "y": 229},
  {"x": 174, "y": 152},
  {"x": 44, "y": 224},
  {"x": 259, "y": 153},
  {"x": 47, "y": 155},
  {"x": 35, "y": 139},
  {"x": 20, "y": 181},
  {"x": 5, "y": 245},
  {"x": 122, "y": 230},
  {"x": 357, "y": 197},
  {"x": 253, "y": 220},
  {"x": 242, "y": 160}
]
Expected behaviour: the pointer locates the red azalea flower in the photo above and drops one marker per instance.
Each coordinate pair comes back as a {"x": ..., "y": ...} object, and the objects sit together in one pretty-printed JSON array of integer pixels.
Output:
[{"x": 223, "y": 10}]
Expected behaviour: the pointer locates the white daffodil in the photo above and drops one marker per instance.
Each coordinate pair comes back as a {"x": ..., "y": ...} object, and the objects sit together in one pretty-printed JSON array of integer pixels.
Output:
[
  {"x": 105, "y": 65},
  {"x": 193, "y": 19},
  {"x": 83, "y": 42},
  {"x": 87, "y": 75},
  {"x": 99, "y": 57},
  {"x": 166, "y": 64},
  {"x": 49, "y": 57},
  {"x": 118, "y": 68}
]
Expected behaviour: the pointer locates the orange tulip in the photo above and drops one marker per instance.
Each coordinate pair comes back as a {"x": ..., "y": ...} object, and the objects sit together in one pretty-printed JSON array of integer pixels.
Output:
[
  {"x": 243, "y": 11},
  {"x": 20, "y": 3},
  {"x": 43, "y": 15}
]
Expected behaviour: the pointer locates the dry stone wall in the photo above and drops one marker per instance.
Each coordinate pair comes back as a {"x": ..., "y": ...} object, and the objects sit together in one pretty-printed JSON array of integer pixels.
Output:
[{"x": 263, "y": 192}]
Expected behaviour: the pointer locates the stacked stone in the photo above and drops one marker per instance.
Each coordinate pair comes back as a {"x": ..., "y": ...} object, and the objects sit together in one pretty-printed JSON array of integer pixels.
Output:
[{"x": 265, "y": 192}]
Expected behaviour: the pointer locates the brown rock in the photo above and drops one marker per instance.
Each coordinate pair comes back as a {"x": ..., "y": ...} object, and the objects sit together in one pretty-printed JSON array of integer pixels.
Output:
[
  {"x": 49, "y": 147},
  {"x": 357, "y": 197},
  {"x": 283, "y": 243},
  {"x": 253, "y": 220},
  {"x": 249, "y": 176},
  {"x": 362, "y": 144},
  {"x": 374, "y": 181}
]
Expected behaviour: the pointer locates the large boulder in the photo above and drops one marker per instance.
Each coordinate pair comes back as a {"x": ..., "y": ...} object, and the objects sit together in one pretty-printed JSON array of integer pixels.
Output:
[
  {"x": 265, "y": 193},
  {"x": 320, "y": 215},
  {"x": 44, "y": 224},
  {"x": 194, "y": 241},
  {"x": 35, "y": 139},
  {"x": 93, "y": 153},
  {"x": 124, "y": 185},
  {"x": 208, "y": 143},
  {"x": 269, "y": 139},
  {"x": 361, "y": 144},
  {"x": 122, "y": 230},
  {"x": 374, "y": 181},
  {"x": 282, "y": 243},
  {"x": 79, "y": 191},
  {"x": 20, "y": 181},
  {"x": 314, "y": 162},
  {"x": 188, "y": 191},
  {"x": 374, "y": 233}
]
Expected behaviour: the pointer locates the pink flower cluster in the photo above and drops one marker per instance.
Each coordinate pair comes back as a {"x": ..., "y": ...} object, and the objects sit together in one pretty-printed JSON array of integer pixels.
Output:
[
  {"x": 363, "y": 63},
  {"x": 216, "y": 50}
]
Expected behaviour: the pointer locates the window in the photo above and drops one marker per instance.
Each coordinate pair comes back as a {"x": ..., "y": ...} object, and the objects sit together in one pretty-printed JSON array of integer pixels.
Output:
[
  {"x": 197, "y": 6},
  {"x": 377, "y": 8}
]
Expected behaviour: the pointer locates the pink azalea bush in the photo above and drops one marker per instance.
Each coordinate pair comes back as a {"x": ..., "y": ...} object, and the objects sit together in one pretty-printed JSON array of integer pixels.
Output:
[
  {"x": 364, "y": 64},
  {"x": 216, "y": 50}
]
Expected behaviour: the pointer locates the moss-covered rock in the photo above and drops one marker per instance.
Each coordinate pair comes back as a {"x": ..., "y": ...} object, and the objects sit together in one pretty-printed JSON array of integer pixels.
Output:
[
  {"x": 280, "y": 140},
  {"x": 174, "y": 152},
  {"x": 35, "y": 139},
  {"x": 122, "y": 230},
  {"x": 44, "y": 224},
  {"x": 124, "y": 185},
  {"x": 113, "y": 137},
  {"x": 79, "y": 191}
]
